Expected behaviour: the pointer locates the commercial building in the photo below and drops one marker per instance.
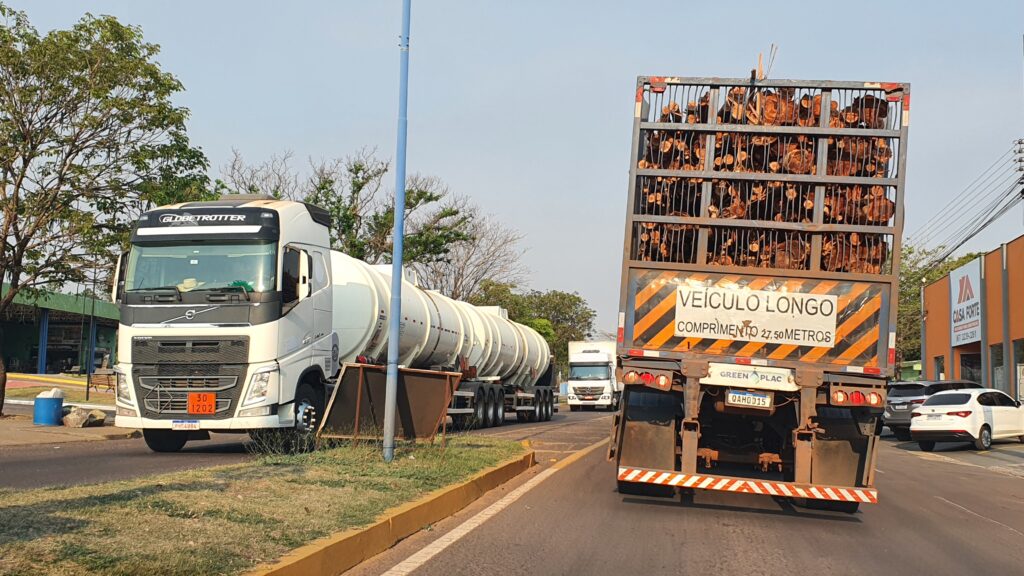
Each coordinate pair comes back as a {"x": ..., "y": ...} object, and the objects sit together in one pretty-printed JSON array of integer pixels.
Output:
[
  {"x": 974, "y": 321},
  {"x": 54, "y": 333}
]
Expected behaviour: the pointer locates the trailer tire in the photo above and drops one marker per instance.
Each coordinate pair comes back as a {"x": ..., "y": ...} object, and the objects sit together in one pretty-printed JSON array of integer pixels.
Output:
[
  {"x": 534, "y": 414},
  {"x": 479, "y": 408},
  {"x": 549, "y": 406},
  {"x": 488, "y": 410},
  {"x": 499, "y": 409},
  {"x": 165, "y": 440}
]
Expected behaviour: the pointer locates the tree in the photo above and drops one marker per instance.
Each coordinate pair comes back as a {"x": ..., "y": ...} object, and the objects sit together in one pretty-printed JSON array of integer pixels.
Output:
[
  {"x": 561, "y": 317},
  {"x": 352, "y": 190},
  {"x": 490, "y": 253},
  {"x": 917, "y": 268},
  {"x": 88, "y": 137}
]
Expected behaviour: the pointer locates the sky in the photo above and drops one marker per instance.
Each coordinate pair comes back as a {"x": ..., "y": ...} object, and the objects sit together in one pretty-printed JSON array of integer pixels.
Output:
[{"x": 526, "y": 106}]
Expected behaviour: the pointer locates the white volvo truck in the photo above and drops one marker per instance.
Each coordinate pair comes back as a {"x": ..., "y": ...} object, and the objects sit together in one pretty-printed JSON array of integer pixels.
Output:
[
  {"x": 236, "y": 316},
  {"x": 592, "y": 381}
]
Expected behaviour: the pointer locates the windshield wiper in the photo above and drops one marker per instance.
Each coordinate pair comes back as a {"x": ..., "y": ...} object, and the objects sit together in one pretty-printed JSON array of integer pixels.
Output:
[
  {"x": 231, "y": 287},
  {"x": 177, "y": 290}
]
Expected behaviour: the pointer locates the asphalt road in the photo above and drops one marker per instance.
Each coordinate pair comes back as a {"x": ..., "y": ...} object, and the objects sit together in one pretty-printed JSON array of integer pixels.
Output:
[
  {"x": 951, "y": 512},
  {"x": 74, "y": 463}
]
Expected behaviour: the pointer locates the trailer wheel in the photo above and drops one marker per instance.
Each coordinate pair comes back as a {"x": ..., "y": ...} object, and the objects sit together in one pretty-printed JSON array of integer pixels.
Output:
[
  {"x": 479, "y": 408},
  {"x": 499, "y": 409},
  {"x": 489, "y": 410},
  {"x": 165, "y": 440},
  {"x": 549, "y": 406},
  {"x": 534, "y": 414}
]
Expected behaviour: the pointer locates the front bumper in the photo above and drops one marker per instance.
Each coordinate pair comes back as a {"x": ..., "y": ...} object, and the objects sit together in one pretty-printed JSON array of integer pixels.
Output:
[
  {"x": 896, "y": 418},
  {"x": 231, "y": 424}
]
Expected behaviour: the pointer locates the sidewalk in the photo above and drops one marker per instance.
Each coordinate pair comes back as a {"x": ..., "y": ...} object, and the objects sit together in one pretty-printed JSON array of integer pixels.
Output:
[{"x": 18, "y": 430}]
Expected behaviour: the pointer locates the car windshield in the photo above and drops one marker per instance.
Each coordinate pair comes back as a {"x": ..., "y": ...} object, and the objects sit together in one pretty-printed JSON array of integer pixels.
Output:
[
  {"x": 202, "y": 266},
  {"x": 589, "y": 372},
  {"x": 948, "y": 400},
  {"x": 904, "y": 390}
]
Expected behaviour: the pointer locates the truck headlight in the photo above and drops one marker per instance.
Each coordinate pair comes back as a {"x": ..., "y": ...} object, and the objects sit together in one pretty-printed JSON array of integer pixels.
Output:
[
  {"x": 261, "y": 386},
  {"x": 123, "y": 394}
]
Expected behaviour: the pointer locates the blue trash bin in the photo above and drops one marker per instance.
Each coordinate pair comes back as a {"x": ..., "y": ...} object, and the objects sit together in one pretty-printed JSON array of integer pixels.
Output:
[{"x": 48, "y": 412}]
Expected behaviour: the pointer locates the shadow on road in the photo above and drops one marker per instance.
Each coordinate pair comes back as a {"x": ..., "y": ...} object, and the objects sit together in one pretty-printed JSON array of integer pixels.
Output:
[{"x": 786, "y": 508}]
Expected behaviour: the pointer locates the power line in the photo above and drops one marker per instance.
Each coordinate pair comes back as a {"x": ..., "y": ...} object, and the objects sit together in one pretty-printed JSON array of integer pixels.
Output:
[{"x": 964, "y": 219}]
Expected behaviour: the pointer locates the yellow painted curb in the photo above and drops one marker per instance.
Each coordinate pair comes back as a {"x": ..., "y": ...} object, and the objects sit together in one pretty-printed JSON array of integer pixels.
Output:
[
  {"x": 340, "y": 552},
  {"x": 47, "y": 379}
]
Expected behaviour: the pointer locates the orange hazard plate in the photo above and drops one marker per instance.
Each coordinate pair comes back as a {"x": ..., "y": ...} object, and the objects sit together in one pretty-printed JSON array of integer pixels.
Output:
[{"x": 202, "y": 403}]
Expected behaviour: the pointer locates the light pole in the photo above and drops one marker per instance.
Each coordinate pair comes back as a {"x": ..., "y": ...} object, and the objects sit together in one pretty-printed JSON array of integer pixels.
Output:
[
  {"x": 92, "y": 335},
  {"x": 391, "y": 390}
]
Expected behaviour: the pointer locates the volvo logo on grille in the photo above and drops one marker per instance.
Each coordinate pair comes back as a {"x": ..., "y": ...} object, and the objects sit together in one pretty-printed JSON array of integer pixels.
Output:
[{"x": 190, "y": 314}]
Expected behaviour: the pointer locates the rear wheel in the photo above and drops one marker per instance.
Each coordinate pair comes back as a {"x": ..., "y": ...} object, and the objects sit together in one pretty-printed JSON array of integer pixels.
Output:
[
  {"x": 479, "y": 407},
  {"x": 926, "y": 445},
  {"x": 549, "y": 407},
  {"x": 499, "y": 409},
  {"x": 489, "y": 410},
  {"x": 165, "y": 440},
  {"x": 984, "y": 441}
]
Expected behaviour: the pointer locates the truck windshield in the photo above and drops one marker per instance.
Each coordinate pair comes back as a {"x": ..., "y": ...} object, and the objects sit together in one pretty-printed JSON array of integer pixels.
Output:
[
  {"x": 201, "y": 266},
  {"x": 589, "y": 372}
]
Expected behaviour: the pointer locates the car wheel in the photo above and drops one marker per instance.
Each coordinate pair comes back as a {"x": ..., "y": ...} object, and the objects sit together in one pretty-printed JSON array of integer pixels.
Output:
[
  {"x": 165, "y": 440},
  {"x": 984, "y": 441},
  {"x": 926, "y": 445}
]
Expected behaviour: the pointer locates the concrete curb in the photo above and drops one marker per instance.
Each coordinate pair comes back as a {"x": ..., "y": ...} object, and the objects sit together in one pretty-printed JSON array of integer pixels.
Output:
[{"x": 340, "y": 552}]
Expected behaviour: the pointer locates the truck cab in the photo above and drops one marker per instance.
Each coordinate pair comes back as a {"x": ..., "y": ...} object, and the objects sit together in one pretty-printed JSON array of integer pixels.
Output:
[
  {"x": 592, "y": 382},
  {"x": 225, "y": 322}
]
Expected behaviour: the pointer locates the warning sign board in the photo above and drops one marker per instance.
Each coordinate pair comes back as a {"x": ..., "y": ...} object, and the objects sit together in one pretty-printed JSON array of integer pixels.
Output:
[{"x": 773, "y": 317}]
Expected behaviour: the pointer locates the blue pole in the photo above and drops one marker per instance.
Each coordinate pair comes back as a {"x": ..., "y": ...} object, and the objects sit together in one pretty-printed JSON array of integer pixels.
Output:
[
  {"x": 44, "y": 337},
  {"x": 391, "y": 391}
]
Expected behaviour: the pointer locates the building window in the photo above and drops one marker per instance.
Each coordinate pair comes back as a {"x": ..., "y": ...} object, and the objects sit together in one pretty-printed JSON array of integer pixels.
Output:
[
  {"x": 970, "y": 367},
  {"x": 998, "y": 369},
  {"x": 940, "y": 367},
  {"x": 1018, "y": 364}
]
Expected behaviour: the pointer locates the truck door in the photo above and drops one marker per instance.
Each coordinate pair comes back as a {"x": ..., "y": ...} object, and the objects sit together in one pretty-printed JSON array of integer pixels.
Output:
[
  {"x": 297, "y": 319},
  {"x": 322, "y": 320}
]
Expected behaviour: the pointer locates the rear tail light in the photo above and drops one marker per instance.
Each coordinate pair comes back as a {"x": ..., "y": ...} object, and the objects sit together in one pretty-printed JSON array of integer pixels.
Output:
[
  {"x": 647, "y": 378},
  {"x": 662, "y": 381},
  {"x": 915, "y": 402},
  {"x": 839, "y": 397},
  {"x": 961, "y": 413},
  {"x": 631, "y": 377},
  {"x": 915, "y": 414},
  {"x": 874, "y": 398},
  {"x": 857, "y": 397}
]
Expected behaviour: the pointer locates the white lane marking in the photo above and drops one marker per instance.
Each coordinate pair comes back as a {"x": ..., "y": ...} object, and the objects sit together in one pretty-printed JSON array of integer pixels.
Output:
[
  {"x": 973, "y": 513},
  {"x": 879, "y": 471}
]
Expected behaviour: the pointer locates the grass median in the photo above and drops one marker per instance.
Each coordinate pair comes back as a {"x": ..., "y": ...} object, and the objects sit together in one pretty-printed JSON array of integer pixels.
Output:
[
  {"x": 227, "y": 519},
  {"x": 75, "y": 395}
]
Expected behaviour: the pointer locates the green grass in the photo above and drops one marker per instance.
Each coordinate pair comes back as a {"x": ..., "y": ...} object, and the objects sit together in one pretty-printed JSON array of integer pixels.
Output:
[
  {"x": 227, "y": 519},
  {"x": 71, "y": 394}
]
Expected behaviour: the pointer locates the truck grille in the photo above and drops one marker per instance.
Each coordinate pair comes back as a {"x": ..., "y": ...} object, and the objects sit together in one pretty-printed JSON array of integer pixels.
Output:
[
  {"x": 588, "y": 390},
  {"x": 166, "y": 369}
]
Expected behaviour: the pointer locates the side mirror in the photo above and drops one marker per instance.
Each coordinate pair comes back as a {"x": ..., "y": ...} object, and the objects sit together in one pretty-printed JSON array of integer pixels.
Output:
[
  {"x": 120, "y": 271},
  {"x": 303, "y": 287}
]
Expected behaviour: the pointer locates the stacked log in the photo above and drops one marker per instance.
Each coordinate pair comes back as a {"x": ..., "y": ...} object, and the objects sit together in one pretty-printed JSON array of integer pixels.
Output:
[{"x": 768, "y": 199}]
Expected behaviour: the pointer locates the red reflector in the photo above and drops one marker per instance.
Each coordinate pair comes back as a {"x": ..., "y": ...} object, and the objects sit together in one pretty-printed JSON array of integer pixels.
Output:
[
  {"x": 621, "y": 335},
  {"x": 892, "y": 356},
  {"x": 743, "y": 361},
  {"x": 875, "y": 371},
  {"x": 857, "y": 397},
  {"x": 636, "y": 352},
  {"x": 961, "y": 413}
]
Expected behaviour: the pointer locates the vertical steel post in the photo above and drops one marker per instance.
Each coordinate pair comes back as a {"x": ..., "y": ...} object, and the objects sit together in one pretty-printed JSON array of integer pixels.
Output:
[
  {"x": 391, "y": 390},
  {"x": 986, "y": 360},
  {"x": 924, "y": 337},
  {"x": 1010, "y": 375},
  {"x": 44, "y": 338},
  {"x": 90, "y": 367}
]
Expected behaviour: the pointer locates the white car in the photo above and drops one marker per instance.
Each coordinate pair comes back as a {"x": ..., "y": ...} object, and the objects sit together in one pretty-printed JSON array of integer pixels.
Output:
[{"x": 978, "y": 415}]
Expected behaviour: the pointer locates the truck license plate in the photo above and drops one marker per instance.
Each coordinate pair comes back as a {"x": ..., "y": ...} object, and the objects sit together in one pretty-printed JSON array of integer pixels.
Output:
[
  {"x": 184, "y": 424},
  {"x": 202, "y": 403},
  {"x": 748, "y": 399}
]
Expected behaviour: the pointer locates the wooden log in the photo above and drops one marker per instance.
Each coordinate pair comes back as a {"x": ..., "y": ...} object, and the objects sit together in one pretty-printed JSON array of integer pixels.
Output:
[{"x": 799, "y": 161}]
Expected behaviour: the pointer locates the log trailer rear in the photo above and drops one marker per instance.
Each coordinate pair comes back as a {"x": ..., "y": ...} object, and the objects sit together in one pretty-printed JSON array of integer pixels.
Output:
[{"x": 759, "y": 286}]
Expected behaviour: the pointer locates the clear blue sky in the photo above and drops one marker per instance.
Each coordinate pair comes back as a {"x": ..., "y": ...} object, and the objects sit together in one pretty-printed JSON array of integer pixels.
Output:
[{"x": 526, "y": 105}]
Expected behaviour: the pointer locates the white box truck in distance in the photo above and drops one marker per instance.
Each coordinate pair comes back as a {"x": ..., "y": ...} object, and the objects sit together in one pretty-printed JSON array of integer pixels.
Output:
[{"x": 592, "y": 376}]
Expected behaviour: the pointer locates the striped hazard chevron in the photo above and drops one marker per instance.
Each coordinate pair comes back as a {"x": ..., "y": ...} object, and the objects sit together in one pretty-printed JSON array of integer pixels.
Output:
[
  {"x": 859, "y": 309},
  {"x": 746, "y": 486}
]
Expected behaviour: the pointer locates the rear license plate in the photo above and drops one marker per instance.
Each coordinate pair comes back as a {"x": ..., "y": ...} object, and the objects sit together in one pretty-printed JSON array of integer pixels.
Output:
[
  {"x": 202, "y": 403},
  {"x": 934, "y": 416},
  {"x": 899, "y": 406},
  {"x": 184, "y": 424},
  {"x": 748, "y": 399}
]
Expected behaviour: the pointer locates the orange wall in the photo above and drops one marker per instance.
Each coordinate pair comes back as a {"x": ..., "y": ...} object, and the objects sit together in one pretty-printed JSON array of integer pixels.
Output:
[
  {"x": 1015, "y": 263},
  {"x": 936, "y": 310}
]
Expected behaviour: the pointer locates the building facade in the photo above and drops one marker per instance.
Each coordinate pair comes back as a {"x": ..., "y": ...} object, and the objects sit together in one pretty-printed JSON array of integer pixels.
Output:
[{"x": 973, "y": 321}]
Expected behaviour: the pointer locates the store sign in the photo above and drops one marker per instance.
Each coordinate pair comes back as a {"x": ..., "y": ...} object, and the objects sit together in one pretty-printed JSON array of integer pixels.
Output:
[{"x": 965, "y": 303}]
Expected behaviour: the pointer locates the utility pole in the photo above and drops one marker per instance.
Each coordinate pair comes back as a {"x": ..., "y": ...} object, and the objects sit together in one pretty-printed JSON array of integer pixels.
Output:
[{"x": 391, "y": 390}]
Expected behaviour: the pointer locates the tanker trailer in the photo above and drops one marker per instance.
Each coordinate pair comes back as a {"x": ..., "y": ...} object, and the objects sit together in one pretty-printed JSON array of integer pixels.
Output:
[
  {"x": 502, "y": 366},
  {"x": 236, "y": 316}
]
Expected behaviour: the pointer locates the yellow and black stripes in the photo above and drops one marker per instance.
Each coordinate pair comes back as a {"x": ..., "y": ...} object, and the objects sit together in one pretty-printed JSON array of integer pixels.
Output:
[{"x": 858, "y": 317}]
